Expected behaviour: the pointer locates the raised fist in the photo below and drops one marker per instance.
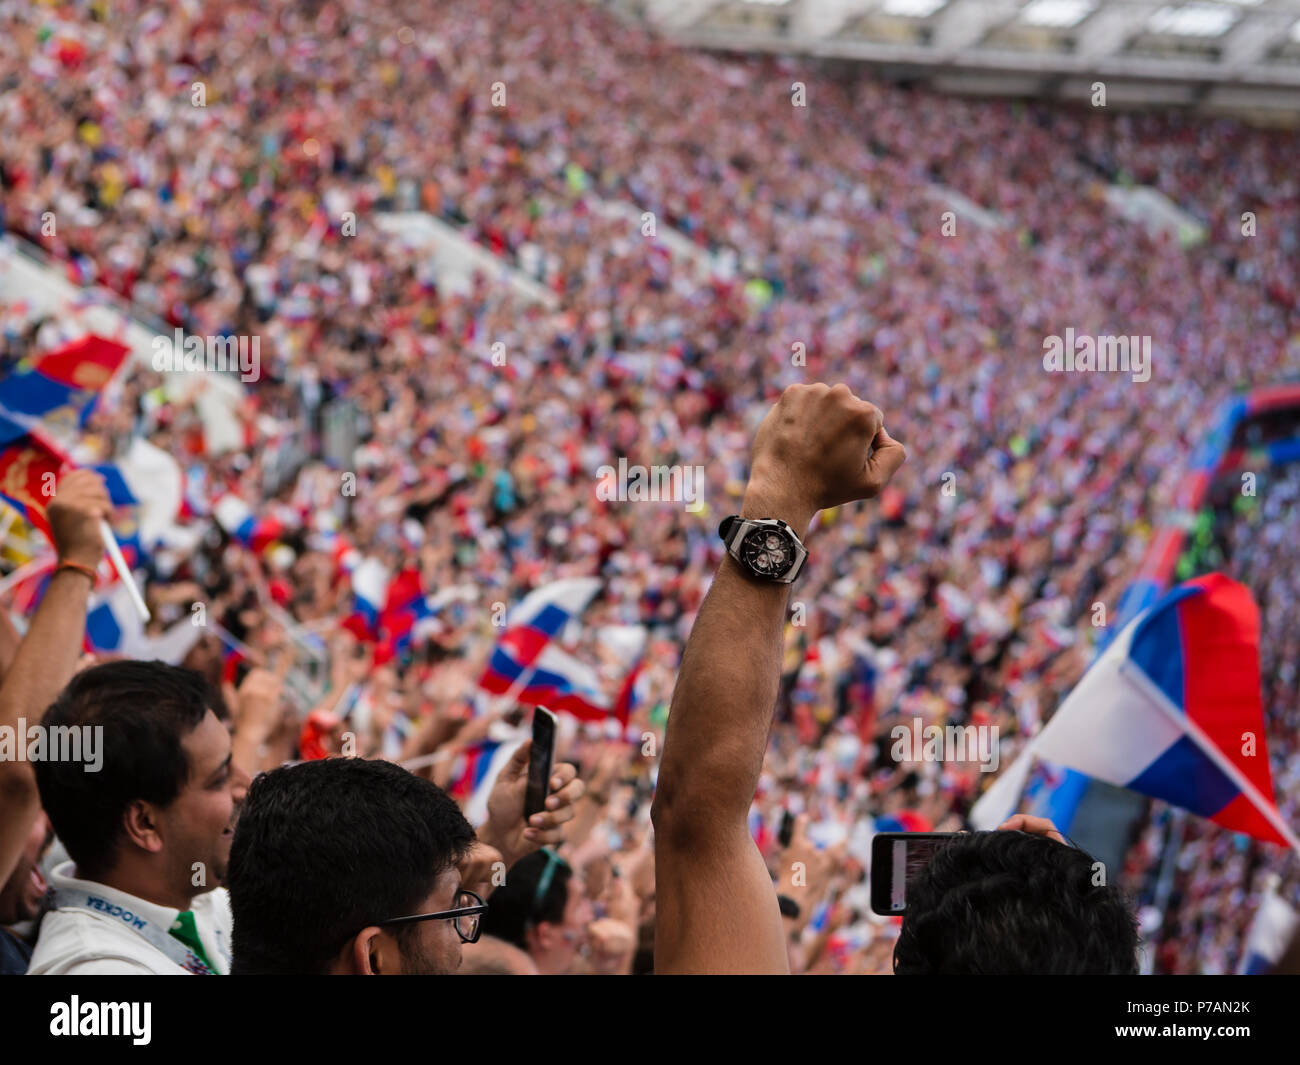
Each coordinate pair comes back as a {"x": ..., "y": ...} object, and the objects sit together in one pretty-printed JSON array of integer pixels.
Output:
[
  {"x": 814, "y": 450},
  {"x": 80, "y": 501}
]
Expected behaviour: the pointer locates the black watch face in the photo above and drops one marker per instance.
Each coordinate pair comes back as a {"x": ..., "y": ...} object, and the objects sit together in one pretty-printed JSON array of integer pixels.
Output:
[{"x": 768, "y": 552}]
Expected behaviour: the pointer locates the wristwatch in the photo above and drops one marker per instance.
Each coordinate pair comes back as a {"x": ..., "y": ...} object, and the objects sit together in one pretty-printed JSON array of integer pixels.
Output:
[{"x": 765, "y": 548}]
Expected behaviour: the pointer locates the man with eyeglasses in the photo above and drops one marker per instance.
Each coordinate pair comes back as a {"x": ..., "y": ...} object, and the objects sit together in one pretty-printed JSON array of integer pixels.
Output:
[{"x": 354, "y": 866}]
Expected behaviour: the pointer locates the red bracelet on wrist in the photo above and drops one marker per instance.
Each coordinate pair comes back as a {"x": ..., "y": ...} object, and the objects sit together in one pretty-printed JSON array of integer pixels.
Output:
[{"x": 78, "y": 568}]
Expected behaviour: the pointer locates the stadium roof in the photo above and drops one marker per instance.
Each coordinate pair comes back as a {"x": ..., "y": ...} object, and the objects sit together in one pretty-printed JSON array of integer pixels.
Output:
[{"x": 1217, "y": 55}]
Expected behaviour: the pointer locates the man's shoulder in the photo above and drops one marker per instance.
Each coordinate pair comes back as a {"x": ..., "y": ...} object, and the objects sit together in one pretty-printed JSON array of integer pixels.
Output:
[
  {"x": 216, "y": 901},
  {"x": 81, "y": 942},
  {"x": 214, "y": 906},
  {"x": 107, "y": 965}
]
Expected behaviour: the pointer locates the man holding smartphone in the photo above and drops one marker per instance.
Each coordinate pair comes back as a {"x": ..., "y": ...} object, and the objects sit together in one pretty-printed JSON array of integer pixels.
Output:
[{"x": 980, "y": 903}]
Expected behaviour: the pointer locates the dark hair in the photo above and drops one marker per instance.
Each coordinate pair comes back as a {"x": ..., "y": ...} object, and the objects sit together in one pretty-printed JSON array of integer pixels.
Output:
[
  {"x": 514, "y": 907},
  {"x": 324, "y": 849},
  {"x": 146, "y": 710},
  {"x": 789, "y": 908},
  {"x": 1009, "y": 902}
]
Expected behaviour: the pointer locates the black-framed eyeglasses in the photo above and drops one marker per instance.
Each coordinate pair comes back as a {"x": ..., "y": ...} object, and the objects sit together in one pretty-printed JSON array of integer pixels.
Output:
[{"x": 466, "y": 918}]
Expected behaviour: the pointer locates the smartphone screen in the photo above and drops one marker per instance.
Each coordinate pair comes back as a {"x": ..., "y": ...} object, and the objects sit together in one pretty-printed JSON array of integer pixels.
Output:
[
  {"x": 540, "y": 760},
  {"x": 896, "y": 859}
]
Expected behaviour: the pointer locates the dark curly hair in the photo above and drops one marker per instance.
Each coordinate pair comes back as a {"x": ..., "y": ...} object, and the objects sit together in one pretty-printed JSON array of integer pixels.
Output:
[{"x": 1009, "y": 902}]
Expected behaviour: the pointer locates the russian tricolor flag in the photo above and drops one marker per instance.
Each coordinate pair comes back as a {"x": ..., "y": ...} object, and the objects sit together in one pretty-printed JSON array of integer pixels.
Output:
[
  {"x": 473, "y": 769},
  {"x": 544, "y": 612},
  {"x": 524, "y": 662},
  {"x": 369, "y": 593},
  {"x": 235, "y": 517},
  {"x": 240, "y": 523},
  {"x": 554, "y": 679},
  {"x": 410, "y": 615},
  {"x": 538, "y": 618},
  {"x": 1171, "y": 709}
]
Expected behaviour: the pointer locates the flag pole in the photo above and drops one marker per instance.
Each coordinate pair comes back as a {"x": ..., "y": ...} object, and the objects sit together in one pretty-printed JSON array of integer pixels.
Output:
[
  {"x": 291, "y": 628},
  {"x": 512, "y": 693},
  {"x": 233, "y": 642},
  {"x": 123, "y": 570},
  {"x": 1002, "y": 798},
  {"x": 424, "y": 760}
]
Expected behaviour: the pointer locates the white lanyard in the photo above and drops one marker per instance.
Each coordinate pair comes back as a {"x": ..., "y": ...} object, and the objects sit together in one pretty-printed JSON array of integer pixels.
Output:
[{"x": 66, "y": 898}]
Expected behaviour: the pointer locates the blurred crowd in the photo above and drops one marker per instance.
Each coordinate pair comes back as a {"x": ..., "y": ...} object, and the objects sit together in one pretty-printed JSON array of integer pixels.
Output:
[{"x": 964, "y": 596}]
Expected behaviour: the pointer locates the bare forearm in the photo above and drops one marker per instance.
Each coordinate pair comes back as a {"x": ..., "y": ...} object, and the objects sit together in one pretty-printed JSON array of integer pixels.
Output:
[
  {"x": 9, "y": 641},
  {"x": 276, "y": 751},
  {"x": 726, "y": 689},
  {"x": 48, "y": 654},
  {"x": 248, "y": 748},
  {"x": 814, "y": 449},
  {"x": 43, "y": 664},
  {"x": 433, "y": 733},
  {"x": 590, "y": 811}
]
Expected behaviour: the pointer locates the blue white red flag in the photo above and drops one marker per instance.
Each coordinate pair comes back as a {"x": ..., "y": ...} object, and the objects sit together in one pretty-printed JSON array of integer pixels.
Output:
[
  {"x": 1171, "y": 709},
  {"x": 526, "y": 663}
]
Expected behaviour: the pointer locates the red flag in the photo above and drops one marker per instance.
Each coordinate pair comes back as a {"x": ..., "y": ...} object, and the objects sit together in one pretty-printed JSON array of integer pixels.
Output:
[{"x": 29, "y": 472}]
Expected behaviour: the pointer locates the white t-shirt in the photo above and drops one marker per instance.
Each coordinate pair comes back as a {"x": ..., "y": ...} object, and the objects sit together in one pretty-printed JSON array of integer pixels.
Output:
[{"x": 99, "y": 933}]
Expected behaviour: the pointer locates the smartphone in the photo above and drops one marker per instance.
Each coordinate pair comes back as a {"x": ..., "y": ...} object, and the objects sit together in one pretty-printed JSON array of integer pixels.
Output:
[
  {"x": 896, "y": 859},
  {"x": 787, "y": 828},
  {"x": 540, "y": 760}
]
